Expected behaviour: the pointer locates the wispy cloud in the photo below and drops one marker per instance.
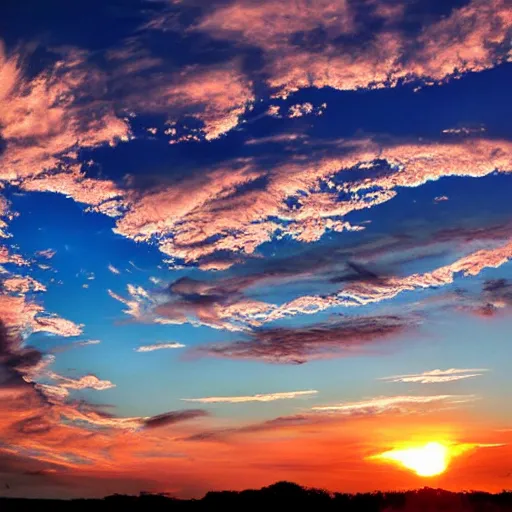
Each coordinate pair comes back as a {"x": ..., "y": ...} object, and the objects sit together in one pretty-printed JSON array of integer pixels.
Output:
[
  {"x": 113, "y": 269},
  {"x": 438, "y": 376},
  {"x": 74, "y": 344},
  {"x": 392, "y": 403},
  {"x": 158, "y": 346},
  {"x": 349, "y": 336},
  {"x": 268, "y": 397},
  {"x": 46, "y": 253}
]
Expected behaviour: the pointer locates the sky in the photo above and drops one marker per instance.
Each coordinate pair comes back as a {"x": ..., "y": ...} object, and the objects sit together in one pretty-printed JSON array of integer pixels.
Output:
[{"x": 247, "y": 241}]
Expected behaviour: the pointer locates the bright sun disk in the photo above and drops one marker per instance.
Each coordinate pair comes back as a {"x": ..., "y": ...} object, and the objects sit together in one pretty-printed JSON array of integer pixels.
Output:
[{"x": 428, "y": 460}]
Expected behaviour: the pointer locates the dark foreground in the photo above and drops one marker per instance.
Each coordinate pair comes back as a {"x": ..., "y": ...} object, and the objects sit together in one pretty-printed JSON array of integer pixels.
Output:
[{"x": 283, "y": 496}]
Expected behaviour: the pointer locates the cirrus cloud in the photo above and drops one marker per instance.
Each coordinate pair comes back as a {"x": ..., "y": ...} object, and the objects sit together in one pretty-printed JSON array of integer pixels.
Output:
[
  {"x": 438, "y": 376},
  {"x": 266, "y": 397}
]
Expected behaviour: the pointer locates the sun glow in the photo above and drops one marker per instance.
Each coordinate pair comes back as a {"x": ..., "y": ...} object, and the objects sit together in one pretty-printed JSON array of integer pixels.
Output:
[{"x": 428, "y": 460}]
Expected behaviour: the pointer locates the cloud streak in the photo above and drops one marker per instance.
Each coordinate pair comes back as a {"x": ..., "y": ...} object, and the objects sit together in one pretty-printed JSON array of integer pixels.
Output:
[
  {"x": 381, "y": 405},
  {"x": 159, "y": 346},
  {"x": 438, "y": 376},
  {"x": 268, "y": 397},
  {"x": 171, "y": 418}
]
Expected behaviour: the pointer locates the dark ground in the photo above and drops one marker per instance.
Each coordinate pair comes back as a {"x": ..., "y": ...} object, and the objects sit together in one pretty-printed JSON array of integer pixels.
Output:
[{"x": 283, "y": 496}]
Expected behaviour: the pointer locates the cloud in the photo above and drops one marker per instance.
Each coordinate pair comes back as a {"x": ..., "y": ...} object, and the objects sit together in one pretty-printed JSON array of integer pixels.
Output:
[
  {"x": 236, "y": 208},
  {"x": 173, "y": 417},
  {"x": 230, "y": 302},
  {"x": 75, "y": 344},
  {"x": 46, "y": 253},
  {"x": 56, "y": 325},
  {"x": 217, "y": 95},
  {"x": 437, "y": 376},
  {"x": 22, "y": 285},
  {"x": 311, "y": 45},
  {"x": 391, "y": 403},
  {"x": 365, "y": 292},
  {"x": 351, "y": 336},
  {"x": 139, "y": 302},
  {"x": 5, "y": 255},
  {"x": 158, "y": 346},
  {"x": 496, "y": 295},
  {"x": 274, "y": 425},
  {"x": 102, "y": 195},
  {"x": 85, "y": 382},
  {"x": 270, "y": 24},
  {"x": 113, "y": 269},
  {"x": 268, "y": 397},
  {"x": 21, "y": 315},
  {"x": 47, "y": 117}
]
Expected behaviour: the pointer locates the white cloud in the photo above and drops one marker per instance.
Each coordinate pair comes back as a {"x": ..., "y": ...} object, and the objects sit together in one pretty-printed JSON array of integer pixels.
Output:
[
  {"x": 158, "y": 346},
  {"x": 389, "y": 403},
  {"x": 268, "y": 397},
  {"x": 438, "y": 376}
]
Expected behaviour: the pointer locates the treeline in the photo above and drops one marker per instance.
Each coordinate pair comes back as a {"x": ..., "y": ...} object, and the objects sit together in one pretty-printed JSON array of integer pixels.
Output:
[{"x": 283, "y": 496}]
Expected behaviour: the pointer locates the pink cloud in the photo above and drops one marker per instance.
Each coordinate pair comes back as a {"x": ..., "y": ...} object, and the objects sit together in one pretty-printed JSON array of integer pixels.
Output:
[
  {"x": 212, "y": 212},
  {"x": 470, "y": 38},
  {"x": 42, "y": 119},
  {"x": 46, "y": 253},
  {"x": 22, "y": 285},
  {"x": 269, "y": 24},
  {"x": 217, "y": 95}
]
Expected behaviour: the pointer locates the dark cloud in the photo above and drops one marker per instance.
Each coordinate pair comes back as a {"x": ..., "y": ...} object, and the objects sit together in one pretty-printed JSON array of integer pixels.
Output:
[
  {"x": 173, "y": 417},
  {"x": 496, "y": 295},
  {"x": 349, "y": 336},
  {"x": 281, "y": 422},
  {"x": 15, "y": 363},
  {"x": 34, "y": 425}
]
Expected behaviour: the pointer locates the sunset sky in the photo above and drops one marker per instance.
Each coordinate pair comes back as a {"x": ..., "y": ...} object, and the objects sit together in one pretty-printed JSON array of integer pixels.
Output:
[{"x": 245, "y": 241}]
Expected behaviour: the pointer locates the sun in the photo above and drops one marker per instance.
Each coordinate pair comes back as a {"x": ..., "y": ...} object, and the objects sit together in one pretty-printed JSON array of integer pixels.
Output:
[{"x": 429, "y": 460}]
